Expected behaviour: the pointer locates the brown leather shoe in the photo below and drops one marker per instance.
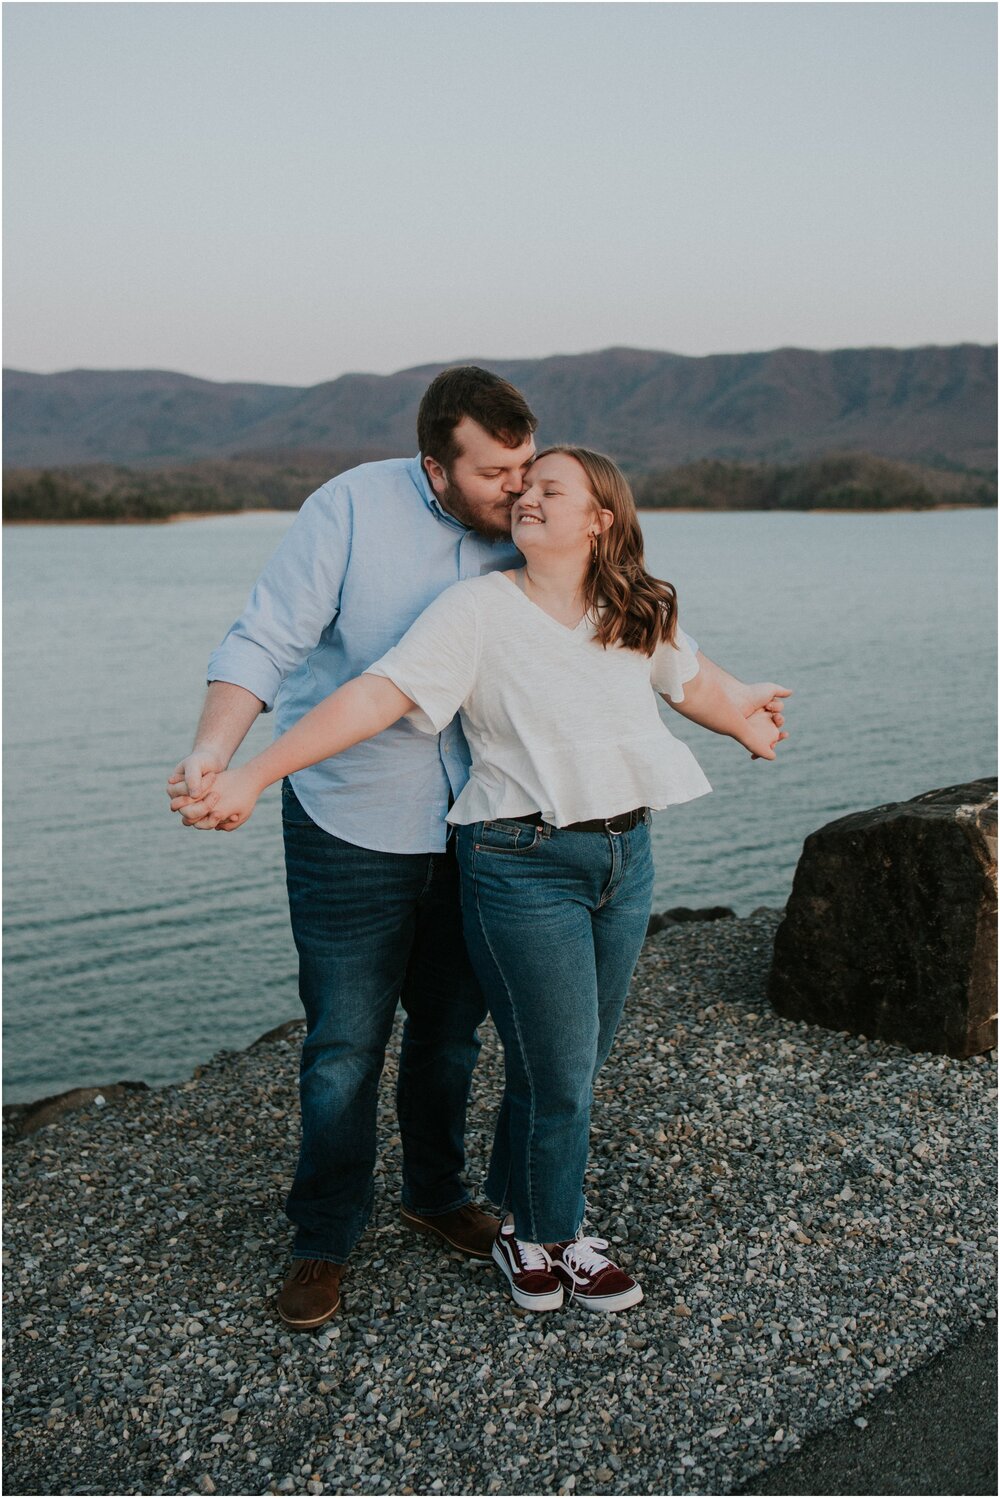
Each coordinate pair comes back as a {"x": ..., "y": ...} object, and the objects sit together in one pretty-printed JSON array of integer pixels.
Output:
[
  {"x": 310, "y": 1294},
  {"x": 468, "y": 1228}
]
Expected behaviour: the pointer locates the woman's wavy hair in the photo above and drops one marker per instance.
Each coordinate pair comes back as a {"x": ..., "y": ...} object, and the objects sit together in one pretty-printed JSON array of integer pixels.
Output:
[{"x": 630, "y": 607}]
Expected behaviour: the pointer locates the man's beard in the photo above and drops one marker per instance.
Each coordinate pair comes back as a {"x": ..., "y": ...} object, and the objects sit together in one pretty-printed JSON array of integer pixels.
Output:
[{"x": 493, "y": 527}]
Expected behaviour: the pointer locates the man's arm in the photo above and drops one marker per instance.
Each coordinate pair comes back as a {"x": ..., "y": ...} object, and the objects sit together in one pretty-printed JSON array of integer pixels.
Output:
[
  {"x": 226, "y": 719},
  {"x": 292, "y": 603},
  {"x": 356, "y": 711}
]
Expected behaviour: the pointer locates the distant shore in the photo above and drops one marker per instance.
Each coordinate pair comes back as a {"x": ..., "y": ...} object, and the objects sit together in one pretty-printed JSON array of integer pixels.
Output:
[
  {"x": 851, "y": 482},
  {"x": 182, "y": 515}
]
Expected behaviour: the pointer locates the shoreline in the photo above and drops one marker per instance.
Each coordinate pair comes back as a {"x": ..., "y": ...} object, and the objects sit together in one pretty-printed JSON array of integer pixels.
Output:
[
  {"x": 182, "y": 515},
  {"x": 56, "y": 1104},
  {"x": 21, "y": 1120},
  {"x": 165, "y": 519}
]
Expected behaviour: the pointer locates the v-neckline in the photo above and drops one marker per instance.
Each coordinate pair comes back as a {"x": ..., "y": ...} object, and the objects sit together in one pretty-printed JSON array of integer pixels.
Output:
[{"x": 583, "y": 628}]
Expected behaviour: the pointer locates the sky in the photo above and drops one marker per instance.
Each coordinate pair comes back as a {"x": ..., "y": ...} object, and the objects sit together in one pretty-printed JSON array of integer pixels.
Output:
[{"x": 289, "y": 192}]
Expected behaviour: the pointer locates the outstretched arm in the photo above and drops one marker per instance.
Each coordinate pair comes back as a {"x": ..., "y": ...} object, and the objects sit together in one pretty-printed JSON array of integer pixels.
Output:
[
  {"x": 358, "y": 710},
  {"x": 708, "y": 703},
  {"x": 749, "y": 697}
]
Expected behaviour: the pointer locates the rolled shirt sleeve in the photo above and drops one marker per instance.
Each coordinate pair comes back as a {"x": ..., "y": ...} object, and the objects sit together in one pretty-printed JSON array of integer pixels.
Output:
[
  {"x": 293, "y": 602},
  {"x": 672, "y": 666},
  {"x": 435, "y": 662}
]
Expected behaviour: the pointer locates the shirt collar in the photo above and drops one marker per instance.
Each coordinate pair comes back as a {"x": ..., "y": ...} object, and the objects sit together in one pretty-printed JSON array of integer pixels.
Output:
[{"x": 430, "y": 499}]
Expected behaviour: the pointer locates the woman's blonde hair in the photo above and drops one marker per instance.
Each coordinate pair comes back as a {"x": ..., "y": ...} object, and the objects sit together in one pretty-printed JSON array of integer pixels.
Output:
[{"x": 630, "y": 607}]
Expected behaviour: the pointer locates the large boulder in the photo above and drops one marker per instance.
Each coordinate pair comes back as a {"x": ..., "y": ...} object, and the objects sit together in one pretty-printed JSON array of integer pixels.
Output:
[{"x": 890, "y": 930}]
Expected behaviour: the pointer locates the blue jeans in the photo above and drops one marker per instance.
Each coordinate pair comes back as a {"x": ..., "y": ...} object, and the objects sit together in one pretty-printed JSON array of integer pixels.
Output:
[
  {"x": 554, "y": 921},
  {"x": 373, "y": 929}
]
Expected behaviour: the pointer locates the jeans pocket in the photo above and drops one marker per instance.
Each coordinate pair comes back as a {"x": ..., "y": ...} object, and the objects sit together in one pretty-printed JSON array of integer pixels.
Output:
[
  {"x": 506, "y": 837},
  {"x": 293, "y": 814}
]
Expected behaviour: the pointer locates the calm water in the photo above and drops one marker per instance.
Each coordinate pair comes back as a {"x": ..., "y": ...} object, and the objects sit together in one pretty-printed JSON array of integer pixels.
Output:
[{"x": 136, "y": 948}]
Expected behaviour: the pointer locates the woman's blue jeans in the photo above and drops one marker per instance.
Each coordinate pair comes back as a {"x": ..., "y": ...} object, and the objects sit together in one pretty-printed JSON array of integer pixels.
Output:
[
  {"x": 554, "y": 921},
  {"x": 373, "y": 930}
]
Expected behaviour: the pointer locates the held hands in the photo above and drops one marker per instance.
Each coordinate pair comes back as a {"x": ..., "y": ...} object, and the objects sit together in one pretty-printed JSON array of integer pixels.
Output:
[
  {"x": 225, "y": 800},
  {"x": 192, "y": 776},
  {"x": 761, "y": 734},
  {"x": 760, "y": 703}
]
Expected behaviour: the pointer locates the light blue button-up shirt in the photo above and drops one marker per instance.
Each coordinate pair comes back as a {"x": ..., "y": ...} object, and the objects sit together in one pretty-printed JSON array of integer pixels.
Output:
[{"x": 365, "y": 555}]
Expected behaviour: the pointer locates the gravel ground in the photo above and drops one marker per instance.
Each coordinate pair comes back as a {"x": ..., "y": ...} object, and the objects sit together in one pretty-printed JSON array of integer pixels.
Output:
[
  {"x": 811, "y": 1215},
  {"x": 934, "y": 1433}
]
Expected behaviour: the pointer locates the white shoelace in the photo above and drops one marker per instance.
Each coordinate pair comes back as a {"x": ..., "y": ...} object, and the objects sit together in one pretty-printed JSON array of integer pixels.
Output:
[
  {"x": 532, "y": 1255},
  {"x": 583, "y": 1258}
]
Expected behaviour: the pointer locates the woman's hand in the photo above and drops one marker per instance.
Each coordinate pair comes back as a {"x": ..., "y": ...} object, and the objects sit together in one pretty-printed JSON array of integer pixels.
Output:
[
  {"x": 228, "y": 802},
  {"x": 761, "y": 734},
  {"x": 753, "y": 720},
  {"x": 754, "y": 695}
]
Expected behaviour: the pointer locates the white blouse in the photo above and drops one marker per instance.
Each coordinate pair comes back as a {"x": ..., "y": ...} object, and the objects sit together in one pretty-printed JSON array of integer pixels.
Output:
[{"x": 555, "y": 724}]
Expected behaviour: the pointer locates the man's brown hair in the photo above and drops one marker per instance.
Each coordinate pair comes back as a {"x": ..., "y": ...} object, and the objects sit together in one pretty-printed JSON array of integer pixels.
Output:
[{"x": 470, "y": 391}]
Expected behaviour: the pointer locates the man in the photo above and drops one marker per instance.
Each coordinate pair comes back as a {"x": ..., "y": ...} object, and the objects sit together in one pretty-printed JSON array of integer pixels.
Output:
[{"x": 372, "y": 881}]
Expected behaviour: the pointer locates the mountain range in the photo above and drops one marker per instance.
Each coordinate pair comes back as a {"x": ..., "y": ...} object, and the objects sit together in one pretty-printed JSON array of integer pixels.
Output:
[{"x": 931, "y": 405}]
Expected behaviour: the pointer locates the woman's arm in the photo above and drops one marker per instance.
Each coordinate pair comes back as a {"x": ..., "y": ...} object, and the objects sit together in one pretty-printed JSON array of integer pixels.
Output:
[
  {"x": 750, "y": 697},
  {"x": 707, "y": 702},
  {"x": 356, "y": 711}
]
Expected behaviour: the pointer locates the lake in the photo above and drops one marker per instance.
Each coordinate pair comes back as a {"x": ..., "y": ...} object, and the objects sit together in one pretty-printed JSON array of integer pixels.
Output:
[{"x": 135, "y": 948}]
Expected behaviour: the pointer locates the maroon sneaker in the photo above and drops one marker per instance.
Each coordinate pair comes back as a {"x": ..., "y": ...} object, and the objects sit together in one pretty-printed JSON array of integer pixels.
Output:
[
  {"x": 593, "y": 1281},
  {"x": 528, "y": 1267}
]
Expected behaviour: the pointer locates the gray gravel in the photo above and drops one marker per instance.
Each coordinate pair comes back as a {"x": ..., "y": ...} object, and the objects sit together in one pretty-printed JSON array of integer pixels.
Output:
[
  {"x": 811, "y": 1215},
  {"x": 934, "y": 1432}
]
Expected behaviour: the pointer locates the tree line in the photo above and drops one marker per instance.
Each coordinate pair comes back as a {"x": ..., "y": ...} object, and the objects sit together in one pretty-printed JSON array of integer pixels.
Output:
[{"x": 838, "y": 481}]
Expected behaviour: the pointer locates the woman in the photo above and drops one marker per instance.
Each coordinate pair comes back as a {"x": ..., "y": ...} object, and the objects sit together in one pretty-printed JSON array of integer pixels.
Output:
[{"x": 551, "y": 668}]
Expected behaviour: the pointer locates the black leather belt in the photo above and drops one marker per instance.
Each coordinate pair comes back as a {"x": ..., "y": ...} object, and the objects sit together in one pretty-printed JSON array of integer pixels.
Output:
[{"x": 622, "y": 823}]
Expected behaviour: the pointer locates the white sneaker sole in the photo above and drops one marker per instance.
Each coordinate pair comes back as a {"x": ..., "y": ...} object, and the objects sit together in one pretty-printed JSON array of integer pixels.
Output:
[
  {"x": 620, "y": 1302},
  {"x": 550, "y": 1301}
]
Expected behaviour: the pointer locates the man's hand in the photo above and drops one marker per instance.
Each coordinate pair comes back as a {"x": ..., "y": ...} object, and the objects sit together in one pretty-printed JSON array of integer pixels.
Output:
[
  {"x": 226, "y": 719},
  {"x": 182, "y": 801},
  {"x": 191, "y": 779},
  {"x": 186, "y": 778}
]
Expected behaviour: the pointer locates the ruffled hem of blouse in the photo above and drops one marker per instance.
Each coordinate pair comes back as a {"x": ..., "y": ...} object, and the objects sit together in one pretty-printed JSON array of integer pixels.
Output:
[{"x": 602, "y": 781}]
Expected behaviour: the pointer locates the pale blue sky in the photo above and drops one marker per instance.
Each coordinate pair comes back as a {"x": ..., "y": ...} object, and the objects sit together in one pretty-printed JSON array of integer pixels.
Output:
[{"x": 285, "y": 192}]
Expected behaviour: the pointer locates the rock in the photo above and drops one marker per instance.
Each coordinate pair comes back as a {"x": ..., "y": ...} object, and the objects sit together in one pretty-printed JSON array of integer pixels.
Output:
[
  {"x": 681, "y": 913},
  {"x": 27, "y": 1118},
  {"x": 890, "y": 930},
  {"x": 706, "y": 913},
  {"x": 287, "y": 1031}
]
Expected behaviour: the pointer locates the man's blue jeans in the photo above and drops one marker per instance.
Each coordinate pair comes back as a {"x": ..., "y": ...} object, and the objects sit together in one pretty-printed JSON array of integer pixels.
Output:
[
  {"x": 554, "y": 921},
  {"x": 373, "y": 929}
]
